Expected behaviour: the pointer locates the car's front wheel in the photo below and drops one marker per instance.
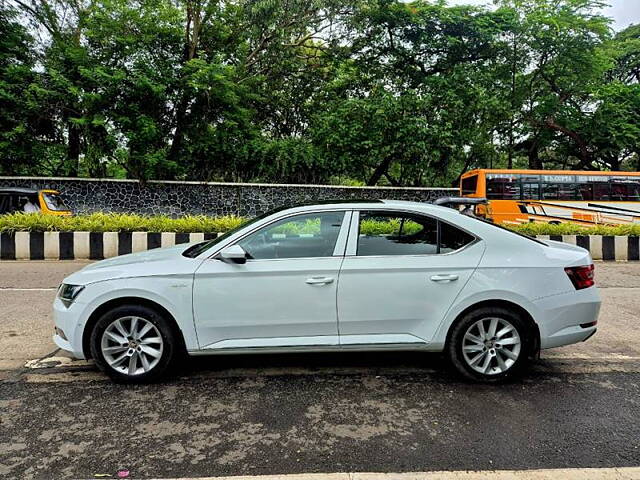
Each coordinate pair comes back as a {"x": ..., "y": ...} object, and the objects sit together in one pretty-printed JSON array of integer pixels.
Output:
[
  {"x": 490, "y": 344},
  {"x": 133, "y": 344}
]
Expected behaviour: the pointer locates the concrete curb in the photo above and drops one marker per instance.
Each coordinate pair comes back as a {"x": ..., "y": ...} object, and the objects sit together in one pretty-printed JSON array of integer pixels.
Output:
[
  {"x": 96, "y": 246},
  {"x": 631, "y": 473}
]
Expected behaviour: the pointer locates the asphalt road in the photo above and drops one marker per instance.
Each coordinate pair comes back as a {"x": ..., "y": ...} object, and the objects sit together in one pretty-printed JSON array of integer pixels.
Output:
[{"x": 392, "y": 412}]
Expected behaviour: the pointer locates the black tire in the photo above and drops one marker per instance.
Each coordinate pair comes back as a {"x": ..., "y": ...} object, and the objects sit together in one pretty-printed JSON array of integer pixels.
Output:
[
  {"x": 170, "y": 345},
  {"x": 454, "y": 348}
]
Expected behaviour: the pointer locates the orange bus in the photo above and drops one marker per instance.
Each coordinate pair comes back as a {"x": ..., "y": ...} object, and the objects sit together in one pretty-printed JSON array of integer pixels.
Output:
[{"x": 555, "y": 196}]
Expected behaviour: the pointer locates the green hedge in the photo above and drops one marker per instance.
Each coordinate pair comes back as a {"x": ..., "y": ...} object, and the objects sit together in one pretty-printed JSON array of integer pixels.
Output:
[
  {"x": 576, "y": 229},
  {"x": 112, "y": 222}
]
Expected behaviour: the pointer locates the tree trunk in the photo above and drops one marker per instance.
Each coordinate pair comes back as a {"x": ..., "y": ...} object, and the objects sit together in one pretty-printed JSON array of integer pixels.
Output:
[
  {"x": 73, "y": 150},
  {"x": 585, "y": 155},
  {"x": 534, "y": 157},
  {"x": 379, "y": 172}
]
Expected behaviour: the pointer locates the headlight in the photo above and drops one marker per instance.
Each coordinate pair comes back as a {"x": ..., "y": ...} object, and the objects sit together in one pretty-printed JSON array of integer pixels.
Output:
[{"x": 68, "y": 293}]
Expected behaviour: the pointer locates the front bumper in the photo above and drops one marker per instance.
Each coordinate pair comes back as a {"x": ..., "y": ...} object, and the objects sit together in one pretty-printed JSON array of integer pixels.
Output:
[
  {"x": 66, "y": 321},
  {"x": 568, "y": 318}
]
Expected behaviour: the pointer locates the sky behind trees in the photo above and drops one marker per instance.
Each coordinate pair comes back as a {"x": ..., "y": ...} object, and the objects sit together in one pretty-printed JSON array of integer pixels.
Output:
[{"x": 624, "y": 12}]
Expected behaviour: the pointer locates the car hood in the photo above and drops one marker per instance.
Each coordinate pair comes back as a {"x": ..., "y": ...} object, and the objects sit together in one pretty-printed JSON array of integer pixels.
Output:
[{"x": 159, "y": 261}]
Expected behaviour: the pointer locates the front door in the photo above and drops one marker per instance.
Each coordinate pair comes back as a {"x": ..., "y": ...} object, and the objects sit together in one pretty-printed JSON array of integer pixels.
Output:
[
  {"x": 284, "y": 295},
  {"x": 401, "y": 274}
]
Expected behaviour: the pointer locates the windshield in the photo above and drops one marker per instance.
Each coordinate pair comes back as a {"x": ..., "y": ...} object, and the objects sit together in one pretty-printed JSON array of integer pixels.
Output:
[
  {"x": 197, "y": 249},
  {"x": 54, "y": 202}
]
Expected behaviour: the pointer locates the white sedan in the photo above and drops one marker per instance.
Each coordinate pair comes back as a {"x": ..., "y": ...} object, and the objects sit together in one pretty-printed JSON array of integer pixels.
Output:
[{"x": 369, "y": 275}]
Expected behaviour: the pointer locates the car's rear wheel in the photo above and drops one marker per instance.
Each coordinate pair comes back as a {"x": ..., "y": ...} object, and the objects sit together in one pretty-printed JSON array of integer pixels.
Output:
[
  {"x": 133, "y": 344},
  {"x": 490, "y": 344}
]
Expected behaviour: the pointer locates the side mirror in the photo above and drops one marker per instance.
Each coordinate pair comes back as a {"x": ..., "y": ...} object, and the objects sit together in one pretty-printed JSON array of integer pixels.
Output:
[{"x": 233, "y": 253}]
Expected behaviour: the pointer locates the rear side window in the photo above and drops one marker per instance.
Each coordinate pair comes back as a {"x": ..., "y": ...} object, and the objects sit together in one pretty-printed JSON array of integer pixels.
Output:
[{"x": 392, "y": 233}]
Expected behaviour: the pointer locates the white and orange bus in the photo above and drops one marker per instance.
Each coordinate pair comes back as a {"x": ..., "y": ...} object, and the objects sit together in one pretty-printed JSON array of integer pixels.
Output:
[{"x": 555, "y": 196}]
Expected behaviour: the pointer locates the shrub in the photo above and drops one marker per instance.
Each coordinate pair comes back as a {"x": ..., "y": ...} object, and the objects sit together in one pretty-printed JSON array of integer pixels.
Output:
[
  {"x": 576, "y": 229},
  {"x": 115, "y": 222}
]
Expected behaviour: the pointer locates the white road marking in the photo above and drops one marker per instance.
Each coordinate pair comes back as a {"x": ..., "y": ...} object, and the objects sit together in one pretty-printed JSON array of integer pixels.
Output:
[
  {"x": 11, "y": 289},
  {"x": 628, "y": 473}
]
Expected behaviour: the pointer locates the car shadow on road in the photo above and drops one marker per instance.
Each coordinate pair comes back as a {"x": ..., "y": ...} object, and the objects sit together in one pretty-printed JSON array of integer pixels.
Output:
[{"x": 317, "y": 364}]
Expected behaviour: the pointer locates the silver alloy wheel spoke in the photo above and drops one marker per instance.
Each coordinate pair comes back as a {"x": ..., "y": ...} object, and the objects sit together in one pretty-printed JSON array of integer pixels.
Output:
[
  {"x": 126, "y": 349},
  {"x": 474, "y": 339},
  {"x": 491, "y": 346},
  {"x": 116, "y": 338},
  {"x": 150, "y": 351},
  {"x": 473, "y": 348},
  {"x": 132, "y": 328}
]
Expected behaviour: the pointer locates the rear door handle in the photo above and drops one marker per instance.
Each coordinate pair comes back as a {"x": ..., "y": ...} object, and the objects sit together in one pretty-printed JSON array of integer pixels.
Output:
[
  {"x": 444, "y": 278},
  {"x": 319, "y": 280}
]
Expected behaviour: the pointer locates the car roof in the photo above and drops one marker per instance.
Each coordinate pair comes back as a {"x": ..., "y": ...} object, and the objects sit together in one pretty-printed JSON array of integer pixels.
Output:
[
  {"x": 18, "y": 190},
  {"x": 351, "y": 204}
]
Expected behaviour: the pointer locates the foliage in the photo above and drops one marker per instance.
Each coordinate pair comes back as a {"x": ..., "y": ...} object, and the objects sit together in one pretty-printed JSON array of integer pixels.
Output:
[
  {"x": 577, "y": 229},
  {"x": 314, "y": 91},
  {"x": 114, "y": 222}
]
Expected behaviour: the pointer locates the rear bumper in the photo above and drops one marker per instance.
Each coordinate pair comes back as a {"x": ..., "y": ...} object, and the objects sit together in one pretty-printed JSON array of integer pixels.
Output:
[{"x": 568, "y": 318}]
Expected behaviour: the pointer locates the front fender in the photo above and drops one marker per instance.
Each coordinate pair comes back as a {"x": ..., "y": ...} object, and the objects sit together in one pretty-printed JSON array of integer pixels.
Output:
[{"x": 173, "y": 293}]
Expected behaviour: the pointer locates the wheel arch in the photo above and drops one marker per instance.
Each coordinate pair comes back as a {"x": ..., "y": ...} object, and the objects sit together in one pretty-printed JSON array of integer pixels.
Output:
[
  {"x": 128, "y": 300},
  {"x": 506, "y": 304}
]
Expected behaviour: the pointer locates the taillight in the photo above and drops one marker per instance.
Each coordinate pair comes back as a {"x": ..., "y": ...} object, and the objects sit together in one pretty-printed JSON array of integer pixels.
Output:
[{"x": 581, "y": 277}]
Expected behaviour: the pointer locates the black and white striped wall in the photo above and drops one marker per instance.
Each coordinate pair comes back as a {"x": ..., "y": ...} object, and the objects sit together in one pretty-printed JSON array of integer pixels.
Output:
[
  {"x": 96, "y": 246},
  {"x": 603, "y": 247},
  {"x": 87, "y": 245}
]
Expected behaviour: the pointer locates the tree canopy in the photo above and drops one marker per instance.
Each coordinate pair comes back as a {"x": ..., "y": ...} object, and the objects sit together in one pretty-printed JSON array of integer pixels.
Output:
[{"x": 314, "y": 91}]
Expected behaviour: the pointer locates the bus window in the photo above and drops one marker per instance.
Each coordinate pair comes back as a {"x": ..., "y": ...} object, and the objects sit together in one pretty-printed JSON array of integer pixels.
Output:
[
  {"x": 567, "y": 191},
  {"x": 469, "y": 185},
  {"x": 601, "y": 191},
  {"x": 550, "y": 191},
  {"x": 585, "y": 192},
  {"x": 624, "y": 192},
  {"x": 503, "y": 187},
  {"x": 531, "y": 191}
]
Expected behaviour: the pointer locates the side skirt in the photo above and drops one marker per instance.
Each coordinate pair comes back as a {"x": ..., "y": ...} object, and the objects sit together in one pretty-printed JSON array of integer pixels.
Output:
[{"x": 377, "y": 347}]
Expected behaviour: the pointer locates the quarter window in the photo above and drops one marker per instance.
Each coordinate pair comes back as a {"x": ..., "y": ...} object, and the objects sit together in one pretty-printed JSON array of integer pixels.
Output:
[
  {"x": 452, "y": 238},
  {"x": 386, "y": 233},
  {"x": 302, "y": 236}
]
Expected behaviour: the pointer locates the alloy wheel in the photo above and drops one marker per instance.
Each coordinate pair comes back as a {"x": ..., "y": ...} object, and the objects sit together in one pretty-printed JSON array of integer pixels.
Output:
[
  {"x": 132, "y": 345},
  {"x": 491, "y": 346}
]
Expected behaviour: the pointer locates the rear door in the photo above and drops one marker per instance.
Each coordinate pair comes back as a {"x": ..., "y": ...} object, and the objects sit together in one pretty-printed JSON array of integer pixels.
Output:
[{"x": 402, "y": 272}]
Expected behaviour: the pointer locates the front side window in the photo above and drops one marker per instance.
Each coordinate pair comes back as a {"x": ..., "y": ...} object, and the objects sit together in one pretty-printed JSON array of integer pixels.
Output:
[
  {"x": 388, "y": 233},
  {"x": 301, "y": 236}
]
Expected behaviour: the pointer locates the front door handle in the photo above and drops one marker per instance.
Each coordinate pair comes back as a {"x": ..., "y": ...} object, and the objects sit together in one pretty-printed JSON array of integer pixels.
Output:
[
  {"x": 319, "y": 280},
  {"x": 444, "y": 278}
]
